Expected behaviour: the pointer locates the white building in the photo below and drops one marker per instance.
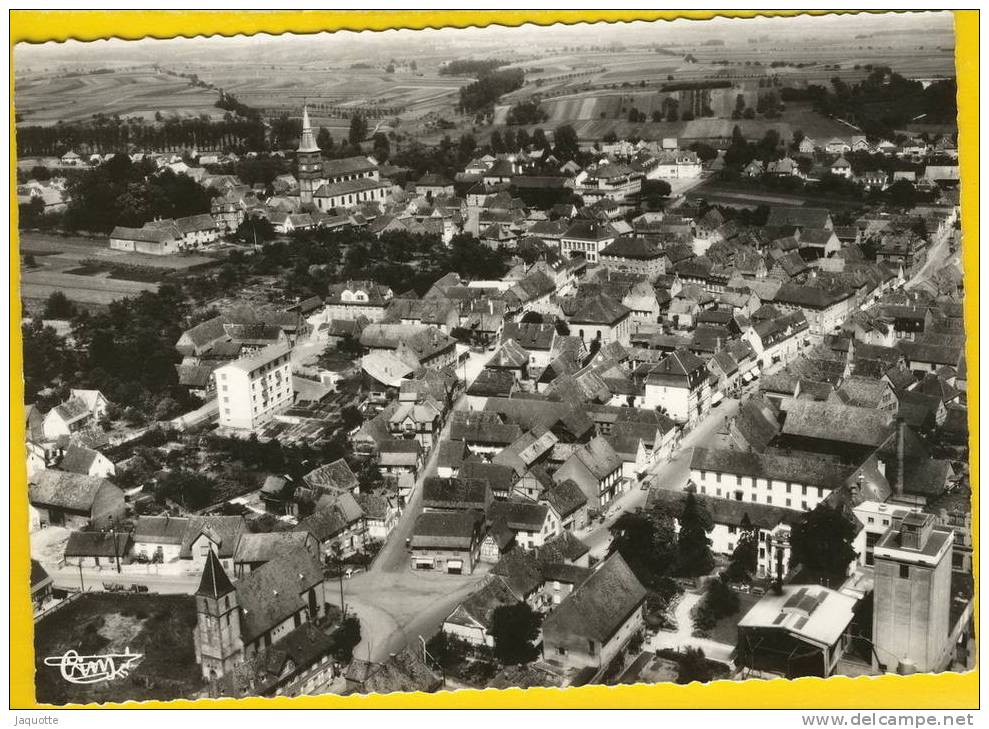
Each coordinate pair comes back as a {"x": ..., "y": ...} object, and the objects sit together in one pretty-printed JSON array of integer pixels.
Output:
[{"x": 252, "y": 390}]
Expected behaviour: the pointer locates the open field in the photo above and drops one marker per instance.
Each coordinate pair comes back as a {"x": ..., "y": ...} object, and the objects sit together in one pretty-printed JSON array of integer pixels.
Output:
[
  {"x": 158, "y": 627},
  {"x": 48, "y": 99},
  {"x": 333, "y": 92},
  {"x": 89, "y": 273},
  {"x": 738, "y": 194}
]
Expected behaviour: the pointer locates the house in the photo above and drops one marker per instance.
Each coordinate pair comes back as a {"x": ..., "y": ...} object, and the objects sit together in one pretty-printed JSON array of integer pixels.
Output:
[
  {"x": 802, "y": 631},
  {"x": 456, "y": 494},
  {"x": 536, "y": 339},
  {"x": 86, "y": 461},
  {"x": 587, "y": 238},
  {"x": 680, "y": 385},
  {"x": 568, "y": 503},
  {"x": 447, "y": 541},
  {"x": 97, "y": 550},
  {"x": 337, "y": 524},
  {"x": 381, "y": 512},
  {"x": 598, "y": 318},
  {"x": 353, "y": 299},
  {"x": 214, "y": 534},
  {"x": 841, "y": 168},
  {"x": 159, "y": 539},
  {"x": 398, "y": 456},
  {"x": 634, "y": 254},
  {"x": 597, "y": 620},
  {"x": 67, "y": 418},
  {"x": 532, "y": 524},
  {"x": 471, "y": 620},
  {"x": 334, "y": 478},
  {"x": 405, "y": 671},
  {"x": 74, "y": 500},
  {"x": 597, "y": 469},
  {"x": 256, "y": 549}
]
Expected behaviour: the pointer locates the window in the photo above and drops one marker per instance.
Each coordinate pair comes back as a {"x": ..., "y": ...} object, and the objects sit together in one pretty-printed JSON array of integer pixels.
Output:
[
  {"x": 904, "y": 572},
  {"x": 769, "y": 499},
  {"x": 788, "y": 502},
  {"x": 788, "y": 487},
  {"x": 717, "y": 477},
  {"x": 871, "y": 520},
  {"x": 591, "y": 648}
]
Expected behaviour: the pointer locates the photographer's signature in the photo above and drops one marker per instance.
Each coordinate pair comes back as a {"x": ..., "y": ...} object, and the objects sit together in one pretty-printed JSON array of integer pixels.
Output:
[{"x": 94, "y": 669}]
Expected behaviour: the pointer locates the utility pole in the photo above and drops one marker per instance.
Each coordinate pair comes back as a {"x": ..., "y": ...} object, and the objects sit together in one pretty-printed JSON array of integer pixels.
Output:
[{"x": 82, "y": 584}]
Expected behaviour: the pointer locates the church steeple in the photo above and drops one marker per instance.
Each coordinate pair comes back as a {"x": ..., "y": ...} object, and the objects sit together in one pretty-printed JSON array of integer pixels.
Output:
[
  {"x": 308, "y": 141},
  {"x": 309, "y": 162},
  {"x": 214, "y": 582}
]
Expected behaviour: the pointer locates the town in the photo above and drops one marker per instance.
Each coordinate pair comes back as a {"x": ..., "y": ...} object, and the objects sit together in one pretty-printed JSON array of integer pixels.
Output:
[{"x": 523, "y": 408}]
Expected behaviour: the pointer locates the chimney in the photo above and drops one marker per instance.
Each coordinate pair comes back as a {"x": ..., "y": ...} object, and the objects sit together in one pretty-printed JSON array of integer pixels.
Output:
[{"x": 901, "y": 426}]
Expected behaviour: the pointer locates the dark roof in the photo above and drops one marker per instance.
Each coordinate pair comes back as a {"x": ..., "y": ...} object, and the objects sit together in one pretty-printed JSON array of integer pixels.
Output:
[
  {"x": 600, "y": 606},
  {"x": 836, "y": 422},
  {"x": 453, "y": 529},
  {"x": 565, "y": 497},
  {"x": 78, "y": 459},
  {"x": 214, "y": 582},
  {"x": 633, "y": 247},
  {"x": 800, "y": 469},
  {"x": 97, "y": 544},
  {"x": 274, "y": 591},
  {"x": 455, "y": 492},
  {"x": 72, "y": 491}
]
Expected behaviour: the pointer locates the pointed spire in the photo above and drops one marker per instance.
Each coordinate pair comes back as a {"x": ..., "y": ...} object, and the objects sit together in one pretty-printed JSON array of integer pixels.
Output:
[
  {"x": 308, "y": 141},
  {"x": 214, "y": 582}
]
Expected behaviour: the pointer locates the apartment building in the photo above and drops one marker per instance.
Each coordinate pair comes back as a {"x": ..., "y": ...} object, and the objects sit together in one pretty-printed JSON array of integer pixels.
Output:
[{"x": 252, "y": 390}]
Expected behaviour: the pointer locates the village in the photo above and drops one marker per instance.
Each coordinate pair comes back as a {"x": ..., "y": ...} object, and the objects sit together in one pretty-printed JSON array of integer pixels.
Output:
[{"x": 683, "y": 434}]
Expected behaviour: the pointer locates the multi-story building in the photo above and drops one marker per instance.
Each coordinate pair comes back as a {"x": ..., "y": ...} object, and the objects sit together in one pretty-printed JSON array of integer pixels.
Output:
[
  {"x": 910, "y": 623},
  {"x": 252, "y": 390}
]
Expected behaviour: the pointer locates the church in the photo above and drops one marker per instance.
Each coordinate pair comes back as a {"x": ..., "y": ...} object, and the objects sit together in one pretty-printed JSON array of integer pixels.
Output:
[
  {"x": 335, "y": 183},
  {"x": 270, "y": 613}
]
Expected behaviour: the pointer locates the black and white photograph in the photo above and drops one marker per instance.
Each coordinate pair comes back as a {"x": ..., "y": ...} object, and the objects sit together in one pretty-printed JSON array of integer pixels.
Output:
[{"x": 565, "y": 355}]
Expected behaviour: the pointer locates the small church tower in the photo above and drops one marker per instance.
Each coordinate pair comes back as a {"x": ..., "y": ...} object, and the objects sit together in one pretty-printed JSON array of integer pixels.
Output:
[
  {"x": 218, "y": 643},
  {"x": 308, "y": 160}
]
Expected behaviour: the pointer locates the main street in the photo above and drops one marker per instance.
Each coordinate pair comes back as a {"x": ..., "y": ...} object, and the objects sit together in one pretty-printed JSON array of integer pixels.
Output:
[{"x": 672, "y": 475}]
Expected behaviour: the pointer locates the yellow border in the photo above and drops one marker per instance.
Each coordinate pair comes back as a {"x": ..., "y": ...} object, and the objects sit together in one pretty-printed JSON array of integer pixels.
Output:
[{"x": 948, "y": 691}]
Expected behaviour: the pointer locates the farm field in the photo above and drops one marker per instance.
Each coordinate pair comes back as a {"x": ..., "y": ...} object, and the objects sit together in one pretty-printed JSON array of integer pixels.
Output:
[
  {"x": 48, "y": 99},
  {"x": 158, "y": 627},
  {"x": 739, "y": 194},
  {"x": 89, "y": 273},
  {"x": 331, "y": 92}
]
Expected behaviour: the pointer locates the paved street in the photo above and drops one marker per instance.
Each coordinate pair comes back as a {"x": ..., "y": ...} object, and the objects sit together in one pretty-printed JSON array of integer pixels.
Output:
[
  {"x": 670, "y": 475},
  {"x": 938, "y": 257}
]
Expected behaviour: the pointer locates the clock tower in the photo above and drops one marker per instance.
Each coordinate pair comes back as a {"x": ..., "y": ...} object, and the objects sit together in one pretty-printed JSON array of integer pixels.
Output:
[{"x": 309, "y": 161}]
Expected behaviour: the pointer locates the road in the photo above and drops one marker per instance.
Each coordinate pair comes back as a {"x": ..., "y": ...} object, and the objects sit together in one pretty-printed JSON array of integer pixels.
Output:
[
  {"x": 393, "y": 556},
  {"x": 670, "y": 475},
  {"x": 938, "y": 257}
]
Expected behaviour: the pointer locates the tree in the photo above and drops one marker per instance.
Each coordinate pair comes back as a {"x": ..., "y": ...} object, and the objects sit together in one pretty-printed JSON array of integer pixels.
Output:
[
  {"x": 255, "y": 229},
  {"x": 539, "y": 140},
  {"x": 382, "y": 147},
  {"x": 324, "y": 140},
  {"x": 567, "y": 145},
  {"x": 345, "y": 638},
  {"x": 647, "y": 543},
  {"x": 497, "y": 143},
  {"x": 655, "y": 192},
  {"x": 358, "y": 130},
  {"x": 514, "y": 628},
  {"x": 694, "y": 556},
  {"x": 58, "y": 306},
  {"x": 693, "y": 667},
  {"x": 744, "y": 558},
  {"x": 822, "y": 541}
]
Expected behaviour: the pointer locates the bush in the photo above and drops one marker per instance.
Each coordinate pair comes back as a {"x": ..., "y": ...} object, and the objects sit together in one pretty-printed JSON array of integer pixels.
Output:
[{"x": 719, "y": 601}]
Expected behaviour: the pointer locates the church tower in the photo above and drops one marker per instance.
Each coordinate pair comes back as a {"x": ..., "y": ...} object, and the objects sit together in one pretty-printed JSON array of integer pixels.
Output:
[
  {"x": 218, "y": 643},
  {"x": 309, "y": 161}
]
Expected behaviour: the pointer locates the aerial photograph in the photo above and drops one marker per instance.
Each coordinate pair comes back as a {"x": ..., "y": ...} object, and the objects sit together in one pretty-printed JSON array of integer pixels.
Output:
[{"x": 536, "y": 356}]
